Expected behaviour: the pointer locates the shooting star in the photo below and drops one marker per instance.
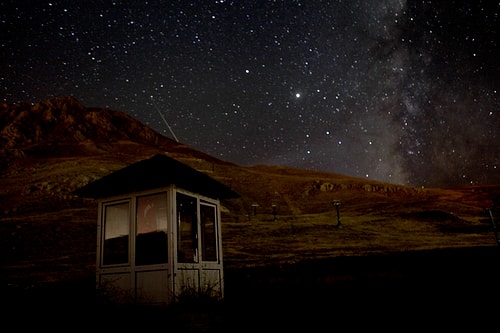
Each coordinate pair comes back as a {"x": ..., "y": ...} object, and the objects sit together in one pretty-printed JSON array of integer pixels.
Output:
[{"x": 164, "y": 120}]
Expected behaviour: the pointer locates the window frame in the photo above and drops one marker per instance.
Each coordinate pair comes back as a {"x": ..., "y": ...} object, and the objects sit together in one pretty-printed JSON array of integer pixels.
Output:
[
  {"x": 200, "y": 200},
  {"x": 104, "y": 223},
  {"x": 214, "y": 234}
]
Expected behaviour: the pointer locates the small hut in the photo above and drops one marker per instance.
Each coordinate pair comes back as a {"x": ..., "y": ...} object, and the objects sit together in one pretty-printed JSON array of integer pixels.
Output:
[{"x": 158, "y": 232}]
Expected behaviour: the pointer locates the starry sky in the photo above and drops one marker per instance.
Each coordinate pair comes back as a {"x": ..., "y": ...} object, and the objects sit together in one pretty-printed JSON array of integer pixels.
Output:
[{"x": 399, "y": 91}]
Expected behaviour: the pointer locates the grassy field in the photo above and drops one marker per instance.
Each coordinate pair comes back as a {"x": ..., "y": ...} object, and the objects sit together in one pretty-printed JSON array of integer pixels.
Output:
[
  {"x": 294, "y": 239},
  {"x": 404, "y": 258},
  {"x": 381, "y": 270}
]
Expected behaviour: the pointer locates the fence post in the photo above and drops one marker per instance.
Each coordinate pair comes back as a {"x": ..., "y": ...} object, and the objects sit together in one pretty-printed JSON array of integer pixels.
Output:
[
  {"x": 336, "y": 203},
  {"x": 488, "y": 210}
]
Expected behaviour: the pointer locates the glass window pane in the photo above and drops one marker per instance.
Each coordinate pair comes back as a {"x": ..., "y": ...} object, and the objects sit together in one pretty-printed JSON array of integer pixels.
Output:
[
  {"x": 208, "y": 233},
  {"x": 187, "y": 233},
  {"x": 116, "y": 234},
  {"x": 151, "y": 245}
]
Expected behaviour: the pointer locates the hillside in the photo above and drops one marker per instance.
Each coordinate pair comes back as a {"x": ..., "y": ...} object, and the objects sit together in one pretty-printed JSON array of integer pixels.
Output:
[
  {"x": 51, "y": 148},
  {"x": 48, "y": 235}
]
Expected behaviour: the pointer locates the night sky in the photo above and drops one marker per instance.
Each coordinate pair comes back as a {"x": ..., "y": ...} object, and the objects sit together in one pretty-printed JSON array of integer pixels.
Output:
[{"x": 399, "y": 91}]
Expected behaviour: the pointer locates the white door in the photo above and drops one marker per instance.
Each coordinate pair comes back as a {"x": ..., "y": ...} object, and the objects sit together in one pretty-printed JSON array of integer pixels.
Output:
[{"x": 198, "y": 268}]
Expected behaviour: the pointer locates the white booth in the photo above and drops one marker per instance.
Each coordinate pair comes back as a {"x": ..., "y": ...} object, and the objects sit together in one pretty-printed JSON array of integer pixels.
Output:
[{"x": 158, "y": 232}]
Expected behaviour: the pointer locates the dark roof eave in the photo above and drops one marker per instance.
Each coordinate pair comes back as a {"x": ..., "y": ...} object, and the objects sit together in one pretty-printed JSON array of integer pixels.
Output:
[{"x": 155, "y": 172}]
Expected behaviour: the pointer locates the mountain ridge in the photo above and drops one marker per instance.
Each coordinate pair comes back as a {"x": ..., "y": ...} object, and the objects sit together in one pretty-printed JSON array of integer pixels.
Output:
[
  {"x": 49, "y": 149},
  {"x": 62, "y": 126},
  {"x": 65, "y": 119}
]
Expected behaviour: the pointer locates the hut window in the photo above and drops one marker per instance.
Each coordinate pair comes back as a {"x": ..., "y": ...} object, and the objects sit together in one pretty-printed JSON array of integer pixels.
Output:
[
  {"x": 187, "y": 233},
  {"x": 116, "y": 230},
  {"x": 208, "y": 232},
  {"x": 151, "y": 230}
]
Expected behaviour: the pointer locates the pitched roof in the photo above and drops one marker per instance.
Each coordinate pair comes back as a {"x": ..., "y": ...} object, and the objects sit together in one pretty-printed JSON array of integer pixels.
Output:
[{"x": 155, "y": 172}]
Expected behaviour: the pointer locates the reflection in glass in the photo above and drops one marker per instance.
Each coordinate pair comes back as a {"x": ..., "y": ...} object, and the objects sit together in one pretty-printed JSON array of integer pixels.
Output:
[
  {"x": 116, "y": 234},
  {"x": 187, "y": 233},
  {"x": 208, "y": 232},
  {"x": 151, "y": 230}
]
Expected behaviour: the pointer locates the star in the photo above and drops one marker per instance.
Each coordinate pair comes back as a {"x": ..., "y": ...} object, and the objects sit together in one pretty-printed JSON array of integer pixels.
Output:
[{"x": 385, "y": 89}]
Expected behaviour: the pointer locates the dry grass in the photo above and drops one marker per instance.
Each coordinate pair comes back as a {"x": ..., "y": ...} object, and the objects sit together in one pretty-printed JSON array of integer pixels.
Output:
[
  {"x": 392, "y": 237},
  {"x": 290, "y": 239},
  {"x": 405, "y": 258}
]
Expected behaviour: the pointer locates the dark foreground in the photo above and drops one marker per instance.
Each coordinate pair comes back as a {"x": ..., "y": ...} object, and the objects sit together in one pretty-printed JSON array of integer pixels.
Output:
[{"x": 429, "y": 290}]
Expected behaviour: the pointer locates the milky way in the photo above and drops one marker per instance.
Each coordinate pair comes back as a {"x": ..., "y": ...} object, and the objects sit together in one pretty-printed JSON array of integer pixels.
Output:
[{"x": 398, "y": 91}]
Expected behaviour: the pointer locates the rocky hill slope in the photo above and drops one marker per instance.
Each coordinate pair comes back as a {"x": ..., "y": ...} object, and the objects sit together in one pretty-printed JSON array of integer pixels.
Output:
[{"x": 51, "y": 148}]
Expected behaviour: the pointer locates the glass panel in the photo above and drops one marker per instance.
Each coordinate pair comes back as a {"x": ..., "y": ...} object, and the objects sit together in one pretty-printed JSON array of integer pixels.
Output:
[
  {"x": 116, "y": 234},
  {"x": 208, "y": 233},
  {"x": 187, "y": 233},
  {"x": 151, "y": 246}
]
